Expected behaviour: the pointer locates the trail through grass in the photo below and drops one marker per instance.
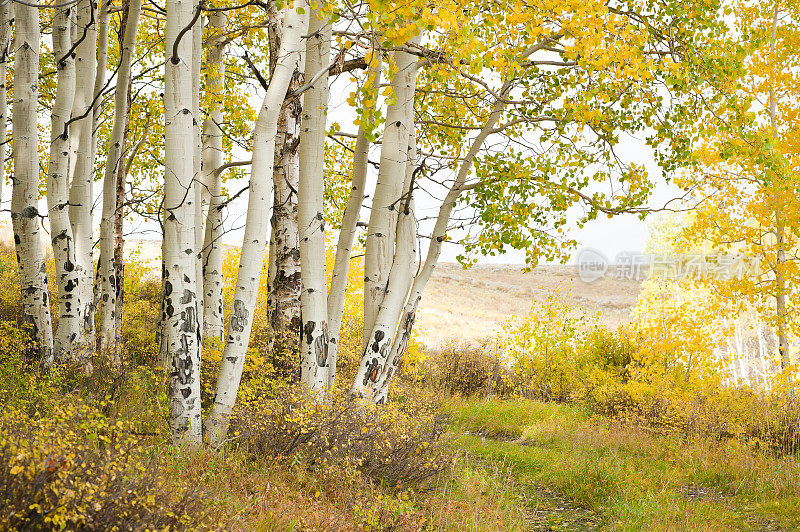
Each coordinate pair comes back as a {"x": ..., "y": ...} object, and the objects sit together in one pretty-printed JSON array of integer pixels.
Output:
[{"x": 577, "y": 472}]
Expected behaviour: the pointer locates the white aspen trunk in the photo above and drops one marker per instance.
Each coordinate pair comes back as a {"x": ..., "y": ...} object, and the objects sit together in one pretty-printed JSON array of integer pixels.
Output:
[
  {"x": 383, "y": 215},
  {"x": 762, "y": 353},
  {"x": 110, "y": 284},
  {"x": 378, "y": 363},
  {"x": 741, "y": 347},
  {"x": 283, "y": 274},
  {"x": 256, "y": 225},
  {"x": 100, "y": 70},
  {"x": 74, "y": 137},
  {"x": 780, "y": 296},
  {"x": 211, "y": 161},
  {"x": 102, "y": 63},
  {"x": 284, "y": 264},
  {"x": 181, "y": 329},
  {"x": 732, "y": 361},
  {"x": 440, "y": 228},
  {"x": 200, "y": 191},
  {"x": 6, "y": 16},
  {"x": 69, "y": 332},
  {"x": 119, "y": 220},
  {"x": 25, "y": 182},
  {"x": 341, "y": 265},
  {"x": 434, "y": 250},
  {"x": 313, "y": 294},
  {"x": 93, "y": 287},
  {"x": 80, "y": 193},
  {"x": 780, "y": 229}
]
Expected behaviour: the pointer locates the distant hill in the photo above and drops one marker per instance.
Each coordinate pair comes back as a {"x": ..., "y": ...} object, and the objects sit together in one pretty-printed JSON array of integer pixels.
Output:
[{"x": 472, "y": 304}]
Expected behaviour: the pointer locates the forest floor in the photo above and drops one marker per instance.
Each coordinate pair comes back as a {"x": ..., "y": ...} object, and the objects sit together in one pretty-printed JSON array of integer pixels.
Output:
[{"x": 572, "y": 471}]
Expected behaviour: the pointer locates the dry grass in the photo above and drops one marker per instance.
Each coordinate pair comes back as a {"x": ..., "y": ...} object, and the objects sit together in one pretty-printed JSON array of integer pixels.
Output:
[{"x": 471, "y": 304}]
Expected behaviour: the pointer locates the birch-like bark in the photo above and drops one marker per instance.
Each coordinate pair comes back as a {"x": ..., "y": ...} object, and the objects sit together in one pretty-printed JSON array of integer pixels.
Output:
[
  {"x": 110, "y": 288},
  {"x": 440, "y": 232},
  {"x": 81, "y": 187},
  {"x": 200, "y": 192},
  {"x": 119, "y": 222},
  {"x": 102, "y": 63},
  {"x": 256, "y": 225},
  {"x": 69, "y": 332},
  {"x": 380, "y": 239},
  {"x": 283, "y": 281},
  {"x": 780, "y": 230},
  {"x": 6, "y": 20},
  {"x": 405, "y": 315},
  {"x": 344, "y": 245},
  {"x": 181, "y": 329},
  {"x": 284, "y": 297},
  {"x": 376, "y": 360},
  {"x": 25, "y": 216},
  {"x": 93, "y": 286},
  {"x": 212, "y": 160},
  {"x": 762, "y": 354},
  {"x": 314, "y": 332},
  {"x": 370, "y": 364},
  {"x": 73, "y": 138}
]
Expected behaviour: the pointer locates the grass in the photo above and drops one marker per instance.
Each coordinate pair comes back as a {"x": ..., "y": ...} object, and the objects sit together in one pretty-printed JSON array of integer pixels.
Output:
[
  {"x": 517, "y": 465},
  {"x": 582, "y": 472},
  {"x": 260, "y": 494}
]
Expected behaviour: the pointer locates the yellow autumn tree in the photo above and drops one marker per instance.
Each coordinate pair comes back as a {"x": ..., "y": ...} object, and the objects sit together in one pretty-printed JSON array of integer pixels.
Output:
[{"x": 746, "y": 176}]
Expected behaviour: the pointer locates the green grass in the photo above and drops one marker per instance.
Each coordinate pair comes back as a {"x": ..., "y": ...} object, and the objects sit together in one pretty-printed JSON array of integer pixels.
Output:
[{"x": 579, "y": 472}]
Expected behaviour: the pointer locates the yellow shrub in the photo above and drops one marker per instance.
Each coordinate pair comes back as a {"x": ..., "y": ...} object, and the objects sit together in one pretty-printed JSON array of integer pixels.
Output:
[
  {"x": 76, "y": 468},
  {"x": 543, "y": 349}
]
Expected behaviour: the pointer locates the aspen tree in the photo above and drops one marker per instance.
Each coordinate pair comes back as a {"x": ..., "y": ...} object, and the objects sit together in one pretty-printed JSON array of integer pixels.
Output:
[
  {"x": 347, "y": 232},
  {"x": 283, "y": 308},
  {"x": 314, "y": 313},
  {"x": 212, "y": 156},
  {"x": 81, "y": 182},
  {"x": 181, "y": 328},
  {"x": 199, "y": 186},
  {"x": 70, "y": 323},
  {"x": 6, "y": 20},
  {"x": 295, "y": 26},
  {"x": 108, "y": 268},
  {"x": 25, "y": 216},
  {"x": 383, "y": 214}
]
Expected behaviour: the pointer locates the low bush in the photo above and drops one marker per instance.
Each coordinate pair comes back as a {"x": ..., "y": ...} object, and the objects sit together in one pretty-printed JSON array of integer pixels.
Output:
[
  {"x": 639, "y": 374},
  {"x": 464, "y": 369},
  {"x": 77, "y": 469},
  {"x": 397, "y": 446},
  {"x": 544, "y": 350}
]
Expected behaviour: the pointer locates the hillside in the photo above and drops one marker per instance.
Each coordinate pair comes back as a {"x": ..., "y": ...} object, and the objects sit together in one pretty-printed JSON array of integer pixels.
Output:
[{"x": 472, "y": 304}]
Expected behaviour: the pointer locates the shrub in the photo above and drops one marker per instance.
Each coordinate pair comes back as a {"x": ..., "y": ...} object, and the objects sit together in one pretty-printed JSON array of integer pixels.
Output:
[
  {"x": 77, "y": 469},
  {"x": 465, "y": 369},
  {"x": 612, "y": 352},
  {"x": 544, "y": 350},
  {"x": 397, "y": 446}
]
